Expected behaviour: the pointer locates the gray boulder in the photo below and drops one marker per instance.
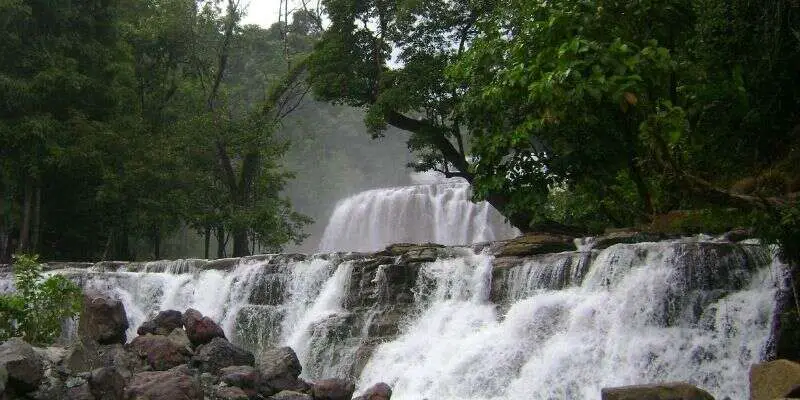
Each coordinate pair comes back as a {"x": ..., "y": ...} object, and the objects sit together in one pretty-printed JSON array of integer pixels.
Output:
[
  {"x": 280, "y": 369},
  {"x": 163, "y": 323},
  {"x": 220, "y": 353},
  {"x": 23, "y": 365},
  {"x": 107, "y": 384},
  {"x": 103, "y": 319}
]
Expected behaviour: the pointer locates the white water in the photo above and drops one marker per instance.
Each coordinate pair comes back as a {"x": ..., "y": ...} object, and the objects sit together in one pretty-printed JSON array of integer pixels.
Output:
[
  {"x": 567, "y": 324},
  {"x": 610, "y": 330},
  {"x": 435, "y": 212}
]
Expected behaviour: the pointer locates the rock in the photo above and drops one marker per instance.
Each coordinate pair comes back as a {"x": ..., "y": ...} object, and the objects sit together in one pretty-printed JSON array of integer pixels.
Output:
[
  {"x": 160, "y": 352},
  {"x": 773, "y": 379},
  {"x": 190, "y": 317},
  {"x": 107, "y": 384},
  {"x": 3, "y": 379},
  {"x": 660, "y": 391},
  {"x": 80, "y": 392},
  {"x": 280, "y": 369},
  {"x": 230, "y": 393},
  {"x": 219, "y": 353},
  {"x": 613, "y": 237},
  {"x": 533, "y": 243},
  {"x": 163, "y": 323},
  {"x": 102, "y": 320},
  {"x": 794, "y": 393},
  {"x": 23, "y": 365},
  {"x": 378, "y": 391},
  {"x": 333, "y": 389},
  {"x": 243, "y": 376},
  {"x": 291, "y": 395},
  {"x": 174, "y": 384},
  {"x": 200, "y": 329},
  {"x": 179, "y": 338}
]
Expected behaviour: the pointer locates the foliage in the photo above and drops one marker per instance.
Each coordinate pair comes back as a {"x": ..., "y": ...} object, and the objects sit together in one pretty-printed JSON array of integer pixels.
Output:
[
  {"x": 39, "y": 306},
  {"x": 98, "y": 104}
]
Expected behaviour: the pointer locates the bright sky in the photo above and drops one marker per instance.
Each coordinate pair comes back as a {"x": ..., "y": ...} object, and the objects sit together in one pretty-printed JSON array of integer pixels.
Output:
[{"x": 265, "y": 12}]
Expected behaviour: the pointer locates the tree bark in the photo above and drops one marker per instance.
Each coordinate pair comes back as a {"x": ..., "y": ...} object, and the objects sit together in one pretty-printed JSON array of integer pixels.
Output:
[
  {"x": 220, "y": 242},
  {"x": 37, "y": 218},
  {"x": 25, "y": 229},
  {"x": 240, "y": 245},
  {"x": 207, "y": 241},
  {"x": 5, "y": 228}
]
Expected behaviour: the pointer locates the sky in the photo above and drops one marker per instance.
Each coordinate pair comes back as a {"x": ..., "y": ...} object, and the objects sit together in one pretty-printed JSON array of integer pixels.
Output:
[{"x": 264, "y": 12}]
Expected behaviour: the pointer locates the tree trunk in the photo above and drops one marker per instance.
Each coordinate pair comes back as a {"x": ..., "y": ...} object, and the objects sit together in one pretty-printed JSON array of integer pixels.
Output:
[
  {"x": 37, "y": 219},
  {"x": 156, "y": 243},
  {"x": 5, "y": 228},
  {"x": 240, "y": 245},
  {"x": 207, "y": 241},
  {"x": 25, "y": 229},
  {"x": 220, "y": 242}
]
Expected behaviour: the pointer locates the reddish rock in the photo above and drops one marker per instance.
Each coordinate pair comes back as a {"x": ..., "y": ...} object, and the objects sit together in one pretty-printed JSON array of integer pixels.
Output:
[
  {"x": 378, "y": 391},
  {"x": 160, "y": 352},
  {"x": 174, "y": 384},
  {"x": 200, "y": 329},
  {"x": 333, "y": 389}
]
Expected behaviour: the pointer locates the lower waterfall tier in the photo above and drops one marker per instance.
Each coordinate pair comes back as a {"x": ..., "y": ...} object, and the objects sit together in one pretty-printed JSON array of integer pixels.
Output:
[{"x": 450, "y": 323}]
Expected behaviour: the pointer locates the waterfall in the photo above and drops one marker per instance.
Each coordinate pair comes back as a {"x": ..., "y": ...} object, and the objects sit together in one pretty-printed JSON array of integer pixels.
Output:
[
  {"x": 466, "y": 325},
  {"x": 440, "y": 212}
]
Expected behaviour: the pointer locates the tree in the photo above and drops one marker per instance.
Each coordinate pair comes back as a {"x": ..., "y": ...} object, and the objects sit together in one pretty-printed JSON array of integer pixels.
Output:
[
  {"x": 353, "y": 64},
  {"x": 39, "y": 306}
]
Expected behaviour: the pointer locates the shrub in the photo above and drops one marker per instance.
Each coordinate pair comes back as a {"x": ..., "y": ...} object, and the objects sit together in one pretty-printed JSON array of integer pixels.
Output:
[{"x": 39, "y": 306}]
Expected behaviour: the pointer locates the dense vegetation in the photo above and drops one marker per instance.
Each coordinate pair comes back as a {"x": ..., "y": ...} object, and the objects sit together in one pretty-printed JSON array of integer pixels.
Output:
[
  {"x": 586, "y": 114},
  {"x": 38, "y": 308},
  {"x": 121, "y": 121}
]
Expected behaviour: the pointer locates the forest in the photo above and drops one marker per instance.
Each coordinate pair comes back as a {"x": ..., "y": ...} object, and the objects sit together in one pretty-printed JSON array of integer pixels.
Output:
[{"x": 123, "y": 121}]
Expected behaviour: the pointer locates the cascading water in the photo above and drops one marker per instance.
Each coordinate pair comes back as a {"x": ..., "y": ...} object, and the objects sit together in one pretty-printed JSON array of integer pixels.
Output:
[
  {"x": 434, "y": 211},
  {"x": 458, "y": 325}
]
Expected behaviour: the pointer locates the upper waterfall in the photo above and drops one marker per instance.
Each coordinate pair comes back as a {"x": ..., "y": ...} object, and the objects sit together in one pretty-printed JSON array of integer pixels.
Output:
[{"x": 434, "y": 210}]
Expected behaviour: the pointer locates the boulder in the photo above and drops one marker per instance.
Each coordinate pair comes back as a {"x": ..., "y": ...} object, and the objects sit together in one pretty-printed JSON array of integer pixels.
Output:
[
  {"x": 107, "y": 383},
  {"x": 333, "y": 389},
  {"x": 173, "y": 384},
  {"x": 378, "y": 391},
  {"x": 243, "y": 376},
  {"x": 220, "y": 353},
  {"x": 230, "y": 393},
  {"x": 79, "y": 392},
  {"x": 200, "y": 329},
  {"x": 794, "y": 393},
  {"x": 160, "y": 352},
  {"x": 163, "y": 323},
  {"x": 533, "y": 243},
  {"x": 23, "y": 365},
  {"x": 3, "y": 379},
  {"x": 190, "y": 317},
  {"x": 280, "y": 369},
  {"x": 86, "y": 356},
  {"x": 612, "y": 237},
  {"x": 658, "y": 391},
  {"x": 102, "y": 320},
  {"x": 290, "y": 395},
  {"x": 773, "y": 379}
]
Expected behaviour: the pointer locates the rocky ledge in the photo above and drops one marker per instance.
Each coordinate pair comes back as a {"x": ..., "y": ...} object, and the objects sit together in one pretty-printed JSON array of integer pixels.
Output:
[{"x": 177, "y": 355}]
